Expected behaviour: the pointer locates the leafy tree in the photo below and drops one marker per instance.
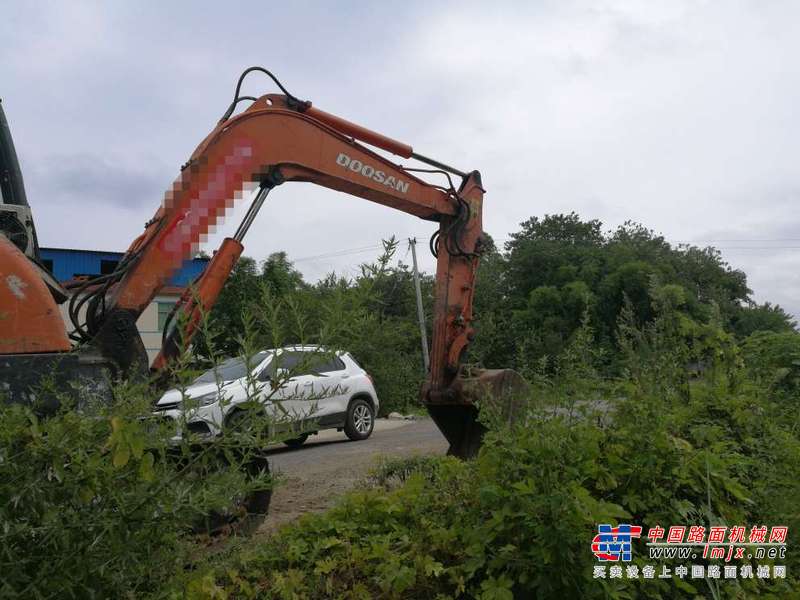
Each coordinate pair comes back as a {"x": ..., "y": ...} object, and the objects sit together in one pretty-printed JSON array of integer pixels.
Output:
[
  {"x": 762, "y": 317},
  {"x": 546, "y": 251},
  {"x": 226, "y": 316},
  {"x": 530, "y": 299},
  {"x": 774, "y": 358},
  {"x": 631, "y": 283},
  {"x": 492, "y": 347},
  {"x": 279, "y": 274},
  {"x": 556, "y": 253},
  {"x": 240, "y": 291}
]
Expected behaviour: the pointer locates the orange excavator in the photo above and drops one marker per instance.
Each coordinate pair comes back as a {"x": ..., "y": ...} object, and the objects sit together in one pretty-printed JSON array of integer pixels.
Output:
[{"x": 278, "y": 139}]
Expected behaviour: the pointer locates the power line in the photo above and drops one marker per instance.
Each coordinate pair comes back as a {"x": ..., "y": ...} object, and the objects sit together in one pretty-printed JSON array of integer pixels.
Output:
[
  {"x": 738, "y": 241},
  {"x": 361, "y": 249},
  {"x": 498, "y": 242},
  {"x": 337, "y": 253},
  {"x": 757, "y": 247}
]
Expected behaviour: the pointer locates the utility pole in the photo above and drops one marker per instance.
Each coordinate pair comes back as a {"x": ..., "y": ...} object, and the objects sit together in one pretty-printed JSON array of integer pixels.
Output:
[{"x": 412, "y": 242}]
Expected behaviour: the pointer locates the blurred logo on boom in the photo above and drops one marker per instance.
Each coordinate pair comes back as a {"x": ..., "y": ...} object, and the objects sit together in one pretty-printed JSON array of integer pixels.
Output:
[{"x": 613, "y": 544}]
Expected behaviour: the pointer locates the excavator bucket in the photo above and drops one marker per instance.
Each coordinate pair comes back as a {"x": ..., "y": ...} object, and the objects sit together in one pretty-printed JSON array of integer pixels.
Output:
[{"x": 498, "y": 395}]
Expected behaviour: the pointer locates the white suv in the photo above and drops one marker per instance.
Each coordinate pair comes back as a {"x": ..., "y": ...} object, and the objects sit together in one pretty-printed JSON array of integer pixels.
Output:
[{"x": 300, "y": 386}]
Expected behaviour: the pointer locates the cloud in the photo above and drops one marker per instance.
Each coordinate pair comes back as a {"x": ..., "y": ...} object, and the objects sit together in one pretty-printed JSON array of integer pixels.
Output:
[
  {"x": 83, "y": 180},
  {"x": 679, "y": 115}
]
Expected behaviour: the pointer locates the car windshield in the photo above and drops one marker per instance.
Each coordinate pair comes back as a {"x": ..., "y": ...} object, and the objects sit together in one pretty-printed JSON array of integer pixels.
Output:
[{"x": 231, "y": 369}]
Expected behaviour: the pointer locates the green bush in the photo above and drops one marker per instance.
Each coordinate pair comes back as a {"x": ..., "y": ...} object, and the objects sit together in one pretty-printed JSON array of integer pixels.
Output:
[
  {"x": 651, "y": 448},
  {"x": 98, "y": 503},
  {"x": 774, "y": 359}
]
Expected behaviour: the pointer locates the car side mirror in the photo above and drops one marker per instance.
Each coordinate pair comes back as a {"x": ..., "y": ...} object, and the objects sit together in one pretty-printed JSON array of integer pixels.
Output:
[{"x": 264, "y": 375}]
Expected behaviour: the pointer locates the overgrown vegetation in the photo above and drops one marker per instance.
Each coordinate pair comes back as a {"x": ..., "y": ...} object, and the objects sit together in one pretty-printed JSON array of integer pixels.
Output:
[
  {"x": 657, "y": 445},
  {"x": 530, "y": 301},
  {"x": 98, "y": 503},
  {"x": 662, "y": 394},
  {"x": 102, "y": 500}
]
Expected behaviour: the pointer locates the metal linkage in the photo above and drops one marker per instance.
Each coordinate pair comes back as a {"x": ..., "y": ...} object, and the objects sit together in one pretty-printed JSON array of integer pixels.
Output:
[
  {"x": 438, "y": 165},
  {"x": 255, "y": 206}
]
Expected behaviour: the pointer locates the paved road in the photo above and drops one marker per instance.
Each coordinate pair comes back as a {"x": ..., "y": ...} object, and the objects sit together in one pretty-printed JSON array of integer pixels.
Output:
[{"x": 329, "y": 464}]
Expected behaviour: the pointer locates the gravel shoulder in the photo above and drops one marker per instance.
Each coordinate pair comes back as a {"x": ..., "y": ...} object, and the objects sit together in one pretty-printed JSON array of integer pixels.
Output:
[{"x": 328, "y": 465}]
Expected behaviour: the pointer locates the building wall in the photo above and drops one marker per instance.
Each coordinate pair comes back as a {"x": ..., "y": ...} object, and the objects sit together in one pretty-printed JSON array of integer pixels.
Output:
[
  {"x": 68, "y": 263},
  {"x": 147, "y": 324}
]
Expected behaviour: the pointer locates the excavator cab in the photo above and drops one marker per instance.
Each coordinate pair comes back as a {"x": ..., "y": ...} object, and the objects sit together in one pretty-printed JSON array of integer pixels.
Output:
[{"x": 16, "y": 221}]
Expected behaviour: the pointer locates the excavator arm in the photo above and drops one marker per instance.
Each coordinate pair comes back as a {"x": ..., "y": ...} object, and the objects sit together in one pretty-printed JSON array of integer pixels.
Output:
[
  {"x": 280, "y": 139},
  {"x": 271, "y": 144}
]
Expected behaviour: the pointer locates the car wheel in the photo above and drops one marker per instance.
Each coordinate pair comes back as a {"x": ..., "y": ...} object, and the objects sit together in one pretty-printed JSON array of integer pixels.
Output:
[
  {"x": 245, "y": 512},
  {"x": 237, "y": 421},
  {"x": 245, "y": 421},
  {"x": 360, "y": 420},
  {"x": 296, "y": 442}
]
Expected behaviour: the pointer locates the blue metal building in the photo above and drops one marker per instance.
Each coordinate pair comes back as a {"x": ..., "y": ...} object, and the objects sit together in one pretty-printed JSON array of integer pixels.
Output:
[{"x": 68, "y": 263}]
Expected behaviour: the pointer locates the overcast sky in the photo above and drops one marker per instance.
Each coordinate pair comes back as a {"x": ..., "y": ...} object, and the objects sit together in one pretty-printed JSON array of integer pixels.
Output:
[{"x": 678, "y": 115}]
